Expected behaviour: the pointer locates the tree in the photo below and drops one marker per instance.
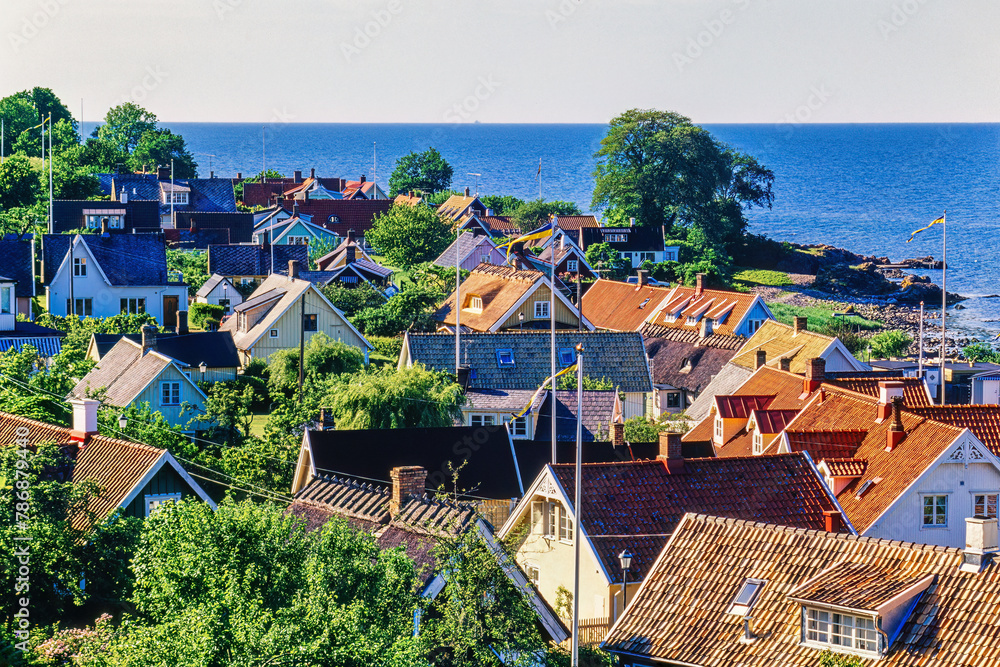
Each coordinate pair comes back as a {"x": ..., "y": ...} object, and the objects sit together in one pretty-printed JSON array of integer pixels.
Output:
[
  {"x": 229, "y": 410},
  {"x": 19, "y": 183},
  {"x": 661, "y": 169},
  {"x": 532, "y": 214},
  {"x": 501, "y": 204},
  {"x": 160, "y": 146},
  {"x": 193, "y": 265},
  {"x": 407, "y": 235},
  {"x": 324, "y": 357},
  {"x": 353, "y": 300},
  {"x": 71, "y": 180},
  {"x": 423, "y": 172},
  {"x": 568, "y": 382},
  {"x": 387, "y": 398},
  {"x": 409, "y": 310},
  {"x": 18, "y": 113},
  {"x": 889, "y": 344},
  {"x": 124, "y": 126},
  {"x": 238, "y": 188},
  {"x": 607, "y": 261},
  {"x": 980, "y": 351}
]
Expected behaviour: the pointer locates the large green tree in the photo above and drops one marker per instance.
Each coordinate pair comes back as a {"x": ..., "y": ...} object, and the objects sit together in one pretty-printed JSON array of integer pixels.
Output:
[
  {"x": 407, "y": 235},
  {"x": 124, "y": 126},
  {"x": 424, "y": 172},
  {"x": 661, "y": 169},
  {"x": 19, "y": 183},
  {"x": 323, "y": 357},
  {"x": 532, "y": 214},
  {"x": 159, "y": 147},
  {"x": 26, "y": 109}
]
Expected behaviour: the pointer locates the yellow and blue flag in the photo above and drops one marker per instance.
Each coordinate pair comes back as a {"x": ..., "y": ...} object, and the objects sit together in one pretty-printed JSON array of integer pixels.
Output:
[
  {"x": 548, "y": 381},
  {"x": 939, "y": 221},
  {"x": 540, "y": 233}
]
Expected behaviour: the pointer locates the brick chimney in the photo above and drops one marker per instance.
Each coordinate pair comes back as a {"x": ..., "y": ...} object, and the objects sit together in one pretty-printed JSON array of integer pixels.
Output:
[
  {"x": 407, "y": 482},
  {"x": 312, "y": 172},
  {"x": 670, "y": 452},
  {"x": 785, "y": 364},
  {"x": 760, "y": 360},
  {"x": 699, "y": 284},
  {"x": 466, "y": 191},
  {"x": 182, "y": 322},
  {"x": 642, "y": 277},
  {"x": 618, "y": 434},
  {"x": 800, "y": 324},
  {"x": 896, "y": 432},
  {"x": 350, "y": 235},
  {"x": 980, "y": 543},
  {"x": 364, "y": 179},
  {"x": 148, "y": 338},
  {"x": 84, "y": 419},
  {"x": 239, "y": 176},
  {"x": 297, "y": 176},
  {"x": 705, "y": 327},
  {"x": 293, "y": 268},
  {"x": 351, "y": 254},
  {"x": 815, "y": 374},
  {"x": 832, "y": 522},
  {"x": 163, "y": 173},
  {"x": 295, "y": 209},
  {"x": 887, "y": 390}
]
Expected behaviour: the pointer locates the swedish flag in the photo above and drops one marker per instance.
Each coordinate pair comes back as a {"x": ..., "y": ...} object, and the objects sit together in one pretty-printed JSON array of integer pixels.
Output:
[
  {"x": 540, "y": 233},
  {"x": 939, "y": 221}
]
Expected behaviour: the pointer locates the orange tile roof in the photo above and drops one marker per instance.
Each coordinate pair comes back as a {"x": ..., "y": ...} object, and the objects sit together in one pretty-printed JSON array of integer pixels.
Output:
[
  {"x": 577, "y": 221},
  {"x": 681, "y": 613},
  {"x": 618, "y": 306},
  {"x": 824, "y": 445},
  {"x": 499, "y": 287},
  {"x": 914, "y": 389},
  {"x": 711, "y": 303},
  {"x": 845, "y": 467},
  {"x": 740, "y": 407},
  {"x": 982, "y": 420}
]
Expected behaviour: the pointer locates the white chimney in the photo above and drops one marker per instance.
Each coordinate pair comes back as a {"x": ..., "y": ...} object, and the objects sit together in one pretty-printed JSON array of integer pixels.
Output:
[
  {"x": 123, "y": 198},
  {"x": 84, "y": 419},
  {"x": 980, "y": 543}
]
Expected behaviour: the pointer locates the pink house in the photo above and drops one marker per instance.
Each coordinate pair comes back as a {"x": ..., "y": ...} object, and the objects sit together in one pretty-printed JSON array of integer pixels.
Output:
[{"x": 472, "y": 248}]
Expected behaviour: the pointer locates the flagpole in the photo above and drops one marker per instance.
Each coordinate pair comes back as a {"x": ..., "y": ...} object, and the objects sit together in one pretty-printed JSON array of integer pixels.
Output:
[
  {"x": 458, "y": 304},
  {"x": 539, "y": 178},
  {"x": 920, "y": 344},
  {"x": 578, "y": 507},
  {"x": 51, "y": 222},
  {"x": 552, "y": 342},
  {"x": 944, "y": 295}
]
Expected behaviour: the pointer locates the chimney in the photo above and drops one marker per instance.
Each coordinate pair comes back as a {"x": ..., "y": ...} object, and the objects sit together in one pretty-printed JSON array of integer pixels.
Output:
[
  {"x": 761, "y": 359},
  {"x": 800, "y": 324},
  {"x": 305, "y": 195},
  {"x": 163, "y": 173},
  {"x": 832, "y": 521},
  {"x": 350, "y": 236},
  {"x": 351, "y": 254},
  {"x": 699, "y": 284},
  {"x": 489, "y": 213},
  {"x": 363, "y": 179},
  {"x": 211, "y": 174},
  {"x": 239, "y": 176},
  {"x": 642, "y": 278},
  {"x": 104, "y": 226},
  {"x": 407, "y": 482},
  {"x": 887, "y": 390},
  {"x": 85, "y": 419},
  {"x": 182, "y": 322},
  {"x": 297, "y": 176},
  {"x": 466, "y": 192},
  {"x": 618, "y": 434},
  {"x": 312, "y": 172},
  {"x": 670, "y": 452},
  {"x": 705, "y": 327},
  {"x": 148, "y": 338},
  {"x": 815, "y": 374},
  {"x": 123, "y": 197},
  {"x": 464, "y": 377},
  {"x": 631, "y": 222},
  {"x": 295, "y": 210},
  {"x": 280, "y": 200},
  {"x": 293, "y": 268},
  {"x": 896, "y": 432},
  {"x": 785, "y": 364},
  {"x": 980, "y": 543},
  {"x": 325, "y": 419},
  {"x": 194, "y": 225}
]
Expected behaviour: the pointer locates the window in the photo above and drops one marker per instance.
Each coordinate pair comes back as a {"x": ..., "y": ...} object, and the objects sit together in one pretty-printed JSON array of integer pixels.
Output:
[
  {"x": 505, "y": 358},
  {"x": 349, "y": 279},
  {"x": 170, "y": 393},
  {"x": 936, "y": 511},
  {"x": 691, "y": 321},
  {"x": 567, "y": 356},
  {"x": 674, "y": 399},
  {"x": 565, "y": 526},
  {"x": 572, "y": 265},
  {"x": 480, "y": 420},
  {"x": 747, "y": 596},
  {"x": 533, "y": 573},
  {"x": 5, "y": 300},
  {"x": 856, "y": 633},
  {"x": 550, "y": 519},
  {"x": 818, "y": 626},
  {"x": 985, "y": 504},
  {"x": 753, "y": 325},
  {"x": 84, "y": 307},
  {"x": 80, "y": 267},
  {"x": 309, "y": 322},
  {"x": 225, "y": 305},
  {"x": 273, "y": 333},
  {"x": 615, "y": 238},
  {"x": 519, "y": 427},
  {"x": 643, "y": 304},
  {"x": 670, "y": 317},
  {"x": 474, "y": 302},
  {"x": 175, "y": 197},
  {"x": 670, "y": 256},
  {"x": 334, "y": 219},
  {"x": 484, "y": 259},
  {"x": 133, "y": 306},
  {"x": 153, "y": 502},
  {"x": 758, "y": 443},
  {"x": 298, "y": 240},
  {"x": 718, "y": 428},
  {"x": 537, "y": 515},
  {"x": 541, "y": 310}
]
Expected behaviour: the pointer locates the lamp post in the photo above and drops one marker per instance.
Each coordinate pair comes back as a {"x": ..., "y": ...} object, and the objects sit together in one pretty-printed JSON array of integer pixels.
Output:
[
  {"x": 203, "y": 367},
  {"x": 625, "y": 558},
  {"x": 520, "y": 321},
  {"x": 122, "y": 421}
]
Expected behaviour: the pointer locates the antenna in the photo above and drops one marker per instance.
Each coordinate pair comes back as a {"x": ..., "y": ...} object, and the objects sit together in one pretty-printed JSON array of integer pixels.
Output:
[{"x": 477, "y": 180}]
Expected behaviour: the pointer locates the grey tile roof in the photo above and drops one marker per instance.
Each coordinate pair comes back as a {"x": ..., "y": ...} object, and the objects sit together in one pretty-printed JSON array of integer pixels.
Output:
[
  {"x": 207, "y": 195},
  {"x": 506, "y": 400},
  {"x": 215, "y": 348},
  {"x": 126, "y": 259},
  {"x": 467, "y": 243},
  {"x": 254, "y": 260},
  {"x": 598, "y": 409},
  {"x": 618, "y": 356},
  {"x": 54, "y": 249},
  {"x": 16, "y": 259},
  {"x": 123, "y": 373},
  {"x": 685, "y": 365},
  {"x": 725, "y": 383}
]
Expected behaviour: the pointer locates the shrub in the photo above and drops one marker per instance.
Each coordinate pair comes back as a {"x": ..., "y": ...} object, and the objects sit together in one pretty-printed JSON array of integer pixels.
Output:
[
  {"x": 888, "y": 344},
  {"x": 200, "y": 312},
  {"x": 387, "y": 346}
]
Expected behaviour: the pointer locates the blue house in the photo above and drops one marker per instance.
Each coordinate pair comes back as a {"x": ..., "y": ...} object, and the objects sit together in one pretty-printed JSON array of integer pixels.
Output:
[{"x": 295, "y": 230}]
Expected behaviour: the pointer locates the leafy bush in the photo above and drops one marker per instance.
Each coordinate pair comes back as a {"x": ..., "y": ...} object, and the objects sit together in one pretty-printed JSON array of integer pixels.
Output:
[
  {"x": 353, "y": 300},
  {"x": 388, "y": 346},
  {"x": 200, "y": 312},
  {"x": 888, "y": 344},
  {"x": 979, "y": 351},
  {"x": 324, "y": 357}
]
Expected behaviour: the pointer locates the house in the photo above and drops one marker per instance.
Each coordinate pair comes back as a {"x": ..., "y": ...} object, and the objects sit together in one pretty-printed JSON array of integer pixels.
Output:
[
  {"x": 958, "y": 376},
  {"x": 471, "y": 249},
  {"x": 173, "y": 196},
  {"x": 349, "y": 247},
  {"x": 496, "y": 226},
  {"x": 635, "y": 244},
  {"x": 133, "y": 478},
  {"x": 132, "y": 373},
  {"x": 274, "y": 316},
  {"x": 570, "y": 261},
  {"x": 15, "y": 335},
  {"x": 125, "y": 216},
  {"x": 408, "y": 199},
  {"x": 727, "y": 591},
  {"x": 501, "y": 298},
  {"x": 339, "y": 216},
  {"x": 619, "y": 306},
  {"x": 636, "y": 505},
  {"x": 459, "y": 206},
  {"x": 17, "y": 264},
  {"x": 353, "y": 274},
  {"x": 313, "y": 188},
  {"x": 237, "y": 227},
  {"x": 363, "y": 189},
  {"x": 203, "y": 356},
  {"x": 784, "y": 346},
  {"x": 488, "y": 407},
  {"x": 220, "y": 291},
  {"x": 402, "y": 514},
  {"x": 247, "y": 264},
  {"x": 264, "y": 193},
  {"x": 522, "y": 360},
  {"x": 97, "y": 275},
  {"x": 721, "y": 311},
  {"x": 294, "y": 231},
  {"x": 985, "y": 388}
]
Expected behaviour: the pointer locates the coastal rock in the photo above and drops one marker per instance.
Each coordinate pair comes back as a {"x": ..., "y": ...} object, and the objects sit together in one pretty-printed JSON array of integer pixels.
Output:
[{"x": 863, "y": 280}]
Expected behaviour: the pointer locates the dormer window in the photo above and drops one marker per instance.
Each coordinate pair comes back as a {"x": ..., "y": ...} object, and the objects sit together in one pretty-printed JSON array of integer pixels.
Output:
[
  {"x": 175, "y": 198},
  {"x": 566, "y": 356},
  {"x": 474, "y": 302},
  {"x": 334, "y": 219},
  {"x": 670, "y": 317},
  {"x": 718, "y": 428},
  {"x": 691, "y": 321},
  {"x": 505, "y": 358},
  {"x": 758, "y": 442}
]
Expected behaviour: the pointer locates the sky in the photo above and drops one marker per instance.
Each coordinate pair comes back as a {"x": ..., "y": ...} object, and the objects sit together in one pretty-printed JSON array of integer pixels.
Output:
[{"x": 507, "y": 61}]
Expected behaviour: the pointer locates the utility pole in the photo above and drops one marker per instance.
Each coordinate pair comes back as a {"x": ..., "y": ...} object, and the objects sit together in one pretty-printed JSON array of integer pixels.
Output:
[
  {"x": 302, "y": 342},
  {"x": 552, "y": 327},
  {"x": 577, "y": 508}
]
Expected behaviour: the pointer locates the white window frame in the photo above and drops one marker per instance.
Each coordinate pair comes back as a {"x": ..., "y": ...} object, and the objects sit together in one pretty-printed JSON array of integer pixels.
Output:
[
  {"x": 170, "y": 383},
  {"x": 986, "y": 502},
  {"x": 533, "y": 573},
  {"x": 475, "y": 303},
  {"x": 538, "y": 517},
  {"x": 298, "y": 240},
  {"x": 719, "y": 428},
  {"x": 155, "y": 500},
  {"x": 572, "y": 265},
  {"x": 481, "y": 419},
  {"x": 841, "y": 632},
  {"x": 924, "y": 497},
  {"x": 758, "y": 442},
  {"x": 485, "y": 259},
  {"x": 85, "y": 309},
  {"x": 80, "y": 267},
  {"x": 519, "y": 427},
  {"x": 7, "y": 300},
  {"x": 541, "y": 310},
  {"x": 551, "y": 526},
  {"x": 565, "y": 526},
  {"x": 754, "y": 325},
  {"x": 272, "y": 333},
  {"x": 134, "y": 305}
]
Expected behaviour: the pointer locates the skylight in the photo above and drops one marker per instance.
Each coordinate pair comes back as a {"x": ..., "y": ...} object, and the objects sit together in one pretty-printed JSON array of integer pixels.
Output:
[
  {"x": 566, "y": 356},
  {"x": 505, "y": 358},
  {"x": 643, "y": 304},
  {"x": 747, "y": 596}
]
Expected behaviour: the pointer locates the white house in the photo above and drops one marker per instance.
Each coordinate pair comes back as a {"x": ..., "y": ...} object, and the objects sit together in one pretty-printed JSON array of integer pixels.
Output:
[
  {"x": 220, "y": 291},
  {"x": 93, "y": 275}
]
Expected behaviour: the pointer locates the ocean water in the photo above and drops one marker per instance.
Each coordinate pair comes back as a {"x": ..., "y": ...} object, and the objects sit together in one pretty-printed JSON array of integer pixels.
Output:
[{"x": 864, "y": 187}]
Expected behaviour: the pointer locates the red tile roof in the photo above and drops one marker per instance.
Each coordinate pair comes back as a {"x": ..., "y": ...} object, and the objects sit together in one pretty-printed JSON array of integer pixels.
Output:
[
  {"x": 770, "y": 422},
  {"x": 826, "y": 444},
  {"x": 729, "y": 307},
  {"x": 740, "y": 407},
  {"x": 578, "y": 221},
  {"x": 352, "y": 214},
  {"x": 618, "y": 306},
  {"x": 845, "y": 467},
  {"x": 914, "y": 389},
  {"x": 982, "y": 420}
]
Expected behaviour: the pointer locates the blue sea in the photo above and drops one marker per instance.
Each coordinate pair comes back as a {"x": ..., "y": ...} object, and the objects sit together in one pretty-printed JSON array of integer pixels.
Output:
[{"x": 863, "y": 187}]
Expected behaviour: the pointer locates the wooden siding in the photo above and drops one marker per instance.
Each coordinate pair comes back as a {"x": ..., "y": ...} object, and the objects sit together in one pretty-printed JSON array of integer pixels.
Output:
[
  {"x": 635, "y": 403},
  {"x": 189, "y": 394},
  {"x": 166, "y": 480},
  {"x": 758, "y": 312},
  {"x": 327, "y": 321},
  {"x": 565, "y": 316}
]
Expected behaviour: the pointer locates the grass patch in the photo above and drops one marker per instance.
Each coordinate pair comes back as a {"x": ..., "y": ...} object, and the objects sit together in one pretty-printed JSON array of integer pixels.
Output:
[
  {"x": 257, "y": 424},
  {"x": 762, "y": 277},
  {"x": 820, "y": 318}
]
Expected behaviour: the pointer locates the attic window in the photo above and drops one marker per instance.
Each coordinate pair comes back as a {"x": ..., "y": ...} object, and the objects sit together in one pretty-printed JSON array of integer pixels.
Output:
[
  {"x": 643, "y": 304},
  {"x": 747, "y": 596},
  {"x": 505, "y": 358},
  {"x": 691, "y": 321},
  {"x": 473, "y": 302},
  {"x": 566, "y": 356},
  {"x": 334, "y": 219},
  {"x": 669, "y": 317},
  {"x": 866, "y": 487}
]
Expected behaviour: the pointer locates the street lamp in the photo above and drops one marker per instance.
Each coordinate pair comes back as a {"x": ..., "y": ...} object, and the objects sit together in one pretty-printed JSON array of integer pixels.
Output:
[
  {"x": 625, "y": 558},
  {"x": 122, "y": 421},
  {"x": 520, "y": 321},
  {"x": 203, "y": 367}
]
